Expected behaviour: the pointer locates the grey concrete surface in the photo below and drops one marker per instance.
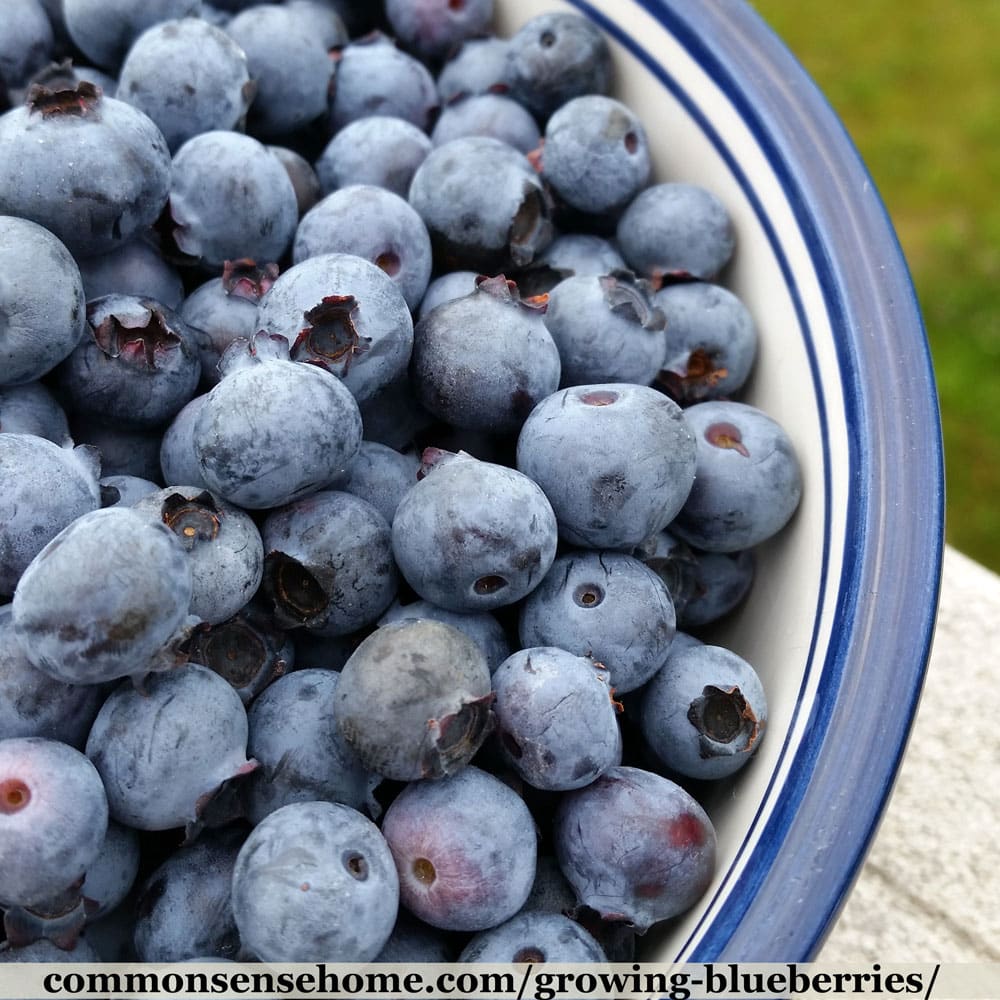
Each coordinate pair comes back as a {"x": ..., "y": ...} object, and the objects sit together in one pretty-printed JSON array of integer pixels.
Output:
[{"x": 930, "y": 887}]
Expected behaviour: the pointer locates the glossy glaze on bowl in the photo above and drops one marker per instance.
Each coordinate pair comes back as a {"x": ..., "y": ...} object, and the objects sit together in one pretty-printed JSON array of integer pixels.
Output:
[{"x": 840, "y": 619}]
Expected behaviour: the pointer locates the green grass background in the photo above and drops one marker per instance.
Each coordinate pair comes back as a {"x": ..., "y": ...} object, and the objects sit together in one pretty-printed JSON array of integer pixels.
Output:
[{"x": 917, "y": 85}]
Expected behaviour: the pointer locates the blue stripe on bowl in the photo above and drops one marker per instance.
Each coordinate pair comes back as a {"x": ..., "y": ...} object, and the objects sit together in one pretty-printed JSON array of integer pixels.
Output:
[{"x": 804, "y": 860}]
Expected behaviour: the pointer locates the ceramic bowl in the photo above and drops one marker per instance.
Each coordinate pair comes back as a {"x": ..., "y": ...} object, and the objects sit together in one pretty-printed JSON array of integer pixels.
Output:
[{"x": 840, "y": 618}]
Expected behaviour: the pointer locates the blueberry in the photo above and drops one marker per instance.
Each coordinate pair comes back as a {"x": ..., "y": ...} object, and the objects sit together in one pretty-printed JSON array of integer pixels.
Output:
[
  {"x": 712, "y": 343},
  {"x": 45, "y": 488},
  {"x": 34, "y": 704},
  {"x": 748, "y": 481},
  {"x": 345, "y": 314},
  {"x": 474, "y": 536},
  {"x": 224, "y": 309},
  {"x": 137, "y": 362},
  {"x": 676, "y": 230},
  {"x": 414, "y": 700},
  {"x": 305, "y": 181},
  {"x": 91, "y": 169},
  {"x": 104, "y": 29},
  {"x": 248, "y": 650},
  {"x": 53, "y": 818},
  {"x": 45, "y": 951},
  {"x": 445, "y": 287},
  {"x": 556, "y": 717},
  {"x": 596, "y": 156},
  {"x": 478, "y": 67},
  {"x": 183, "y": 909},
  {"x": 555, "y": 57},
  {"x": 483, "y": 362},
  {"x": 605, "y": 605},
  {"x": 373, "y": 77},
  {"x": 393, "y": 416},
  {"x": 26, "y": 42},
  {"x": 704, "y": 712},
  {"x": 465, "y": 849},
  {"x": 189, "y": 77},
  {"x": 124, "y": 491},
  {"x": 64, "y": 75},
  {"x": 315, "y": 881},
  {"x": 380, "y": 475},
  {"x": 534, "y": 937},
  {"x": 222, "y": 543},
  {"x": 124, "y": 449},
  {"x": 273, "y": 430},
  {"x": 378, "y": 149},
  {"x": 412, "y": 941},
  {"x": 568, "y": 255},
  {"x": 230, "y": 198},
  {"x": 131, "y": 624},
  {"x": 31, "y": 408},
  {"x": 434, "y": 28},
  {"x": 110, "y": 876},
  {"x": 607, "y": 329},
  {"x": 615, "y": 460},
  {"x": 635, "y": 846},
  {"x": 135, "y": 268},
  {"x": 177, "y": 457},
  {"x": 480, "y": 626},
  {"x": 303, "y": 758},
  {"x": 322, "y": 19},
  {"x": 703, "y": 585},
  {"x": 41, "y": 300},
  {"x": 483, "y": 203},
  {"x": 491, "y": 115},
  {"x": 289, "y": 65},
  {"x": 164, "y": 753},
  {"x": 375, "y": 224},
  {"x": 329, "y": 565}
]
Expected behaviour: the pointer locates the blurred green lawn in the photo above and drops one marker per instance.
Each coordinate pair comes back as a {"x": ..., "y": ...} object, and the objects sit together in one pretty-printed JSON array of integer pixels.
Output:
[{"x": 917, "y": 84}]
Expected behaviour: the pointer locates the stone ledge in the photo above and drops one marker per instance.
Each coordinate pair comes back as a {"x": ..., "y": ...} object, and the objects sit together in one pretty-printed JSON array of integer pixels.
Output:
[{"x": 930, "y": 887}]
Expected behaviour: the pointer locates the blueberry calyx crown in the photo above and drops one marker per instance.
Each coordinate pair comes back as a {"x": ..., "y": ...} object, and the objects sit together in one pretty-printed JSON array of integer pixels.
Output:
[
  {"x": 629, "y": 297},
  {"x": 692, "y": 381},
  {"x": 192, "y": 521},
  {"x": 455, "y": 738},
  {"x": 725, "y": 721},
  {"x": 331, "y": 335},
  {"x": 504, "y": 289},
  {"x": 297, "y": 595},
  {"x": 238, "y": 651},
  {"x": 261, "y": 348},
  {"x": 140, "y": 338},
  {"x": 530, "y": 227},
  {"x": 246, "y": 279},
  {"x": 62, "y": 100}
]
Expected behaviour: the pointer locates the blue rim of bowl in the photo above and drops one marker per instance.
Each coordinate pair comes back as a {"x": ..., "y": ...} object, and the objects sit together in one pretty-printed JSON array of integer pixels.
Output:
[{"x": 805, "y": 860}]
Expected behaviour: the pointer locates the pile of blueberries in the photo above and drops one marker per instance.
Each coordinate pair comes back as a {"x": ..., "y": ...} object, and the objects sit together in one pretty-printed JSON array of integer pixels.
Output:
[{"x": 371, "y": 467}]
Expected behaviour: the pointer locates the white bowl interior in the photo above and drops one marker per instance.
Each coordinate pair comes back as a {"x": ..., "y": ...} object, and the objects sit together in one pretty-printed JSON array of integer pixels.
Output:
[{"x": 783, "y": 629}]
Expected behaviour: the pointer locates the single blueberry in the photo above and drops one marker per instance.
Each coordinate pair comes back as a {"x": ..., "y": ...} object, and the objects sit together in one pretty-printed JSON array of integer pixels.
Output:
[
  {"x": 635, "y": 846},
  {"x": 474, "y": 536},
  {"x": 616, "y": 461},
  {"x": 315, "y": 881},
  {"x": 414, "y": 700},
  {"x": 302, "y": 756},
  {"x": 132, "y": 624},
  {"x": 166, "y": 752},
  {"x": 704, "y": 713},
  {"x": 465, "y": 849},
  {"x": 748, "y": 481},
  {"x": 556, "y": 717}
]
